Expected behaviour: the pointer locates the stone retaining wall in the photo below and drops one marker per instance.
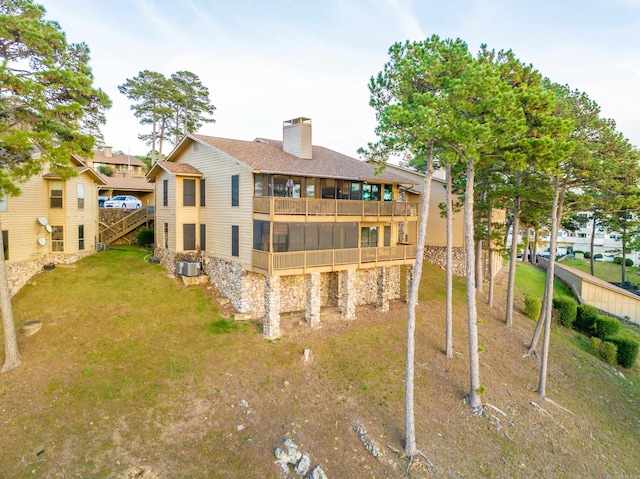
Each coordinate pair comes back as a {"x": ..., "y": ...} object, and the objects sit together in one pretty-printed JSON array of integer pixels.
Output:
[
  {"x": 19, "y": 274},
  {"x": 438, "y": 256}
]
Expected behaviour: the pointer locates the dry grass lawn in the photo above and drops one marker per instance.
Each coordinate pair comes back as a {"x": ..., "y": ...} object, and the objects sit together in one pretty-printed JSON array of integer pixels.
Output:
[{"x": 133, "y": 373}]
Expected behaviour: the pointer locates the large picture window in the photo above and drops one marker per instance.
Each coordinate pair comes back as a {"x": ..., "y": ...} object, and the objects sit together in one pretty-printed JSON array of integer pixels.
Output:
[
  {"x": 188, "y": 192},
  {"x": 189, "y": 237}
]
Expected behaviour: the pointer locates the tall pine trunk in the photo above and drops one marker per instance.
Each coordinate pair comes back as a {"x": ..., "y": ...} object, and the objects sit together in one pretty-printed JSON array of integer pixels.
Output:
[
  {"x": 449, "y": 306},
  {"x": 592, "y": 244},
  {"x": 548, "y": 291},
  {"x": 526, "y": 254},
  {"x": 490, "y": 256},
  {"x": 11, "y": 354},
  {"x": 409, "y": 420},
  {"x": 472, "y": 316},
  {"x": 514, "y": 253}
]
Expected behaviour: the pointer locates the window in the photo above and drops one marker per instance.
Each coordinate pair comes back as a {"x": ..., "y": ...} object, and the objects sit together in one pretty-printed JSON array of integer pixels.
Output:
[
  {"x": 80, "y": 195},
  {"x": 235, "y": 240},
  {"x": 165, "y": 235},
  {"x": 203, "y": 237},
  {"x": 388, "y": 192},
  {"x": 5, "y": 244},
  {"x": 258, "y": 185},
  {"x": 189, "y": 237},
  {"x": 328, "y": 188},
  {"x": 57, "y": 238},
  {"x": 356, "y": 191},
  {"x": 369, "y": 236},
  {"x": 80, "y": 237},
  {"x": 311, "y": 188},
  {"x": 235, "y": 190},
  {"x": 3, "y": 201},
  {"x": 203, "y": 196},
  {"x": 371, "y": 192},
  {"x": 55, "y": 194},
  {"x": 165, "y": 192},
  {"x": 188, "y": 193},
  {"x": 261, "y": 235}
]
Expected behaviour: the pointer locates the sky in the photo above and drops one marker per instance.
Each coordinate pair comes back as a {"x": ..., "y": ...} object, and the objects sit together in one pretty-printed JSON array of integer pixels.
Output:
[{"x": 268, "y": 61}]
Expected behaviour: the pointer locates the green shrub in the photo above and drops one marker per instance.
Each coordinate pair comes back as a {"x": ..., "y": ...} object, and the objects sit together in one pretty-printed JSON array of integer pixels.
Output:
[
  {"x": 597, "y": 256},
  {"x": 587, "y": 255},
  {"x": 585, "y": 318},
  {"x": 567, "y": 308},
  {"x": 144, "y": 237},
  {"x": 532, "y": 307},
  {"x": 609, "y": 352},
  {"x": 605, "y": 327},
  {"x": 628, "y": 262},
  {"x": 627, "y": 351},
  {"x": 617, "y": 260},
  {"x": 594, "y": 345}
]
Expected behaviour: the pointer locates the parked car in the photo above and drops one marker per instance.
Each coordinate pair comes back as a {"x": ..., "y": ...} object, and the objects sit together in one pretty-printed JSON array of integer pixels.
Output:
[
  {"x": 101, "y": 200},
  {"x": 130, "y": 202}
]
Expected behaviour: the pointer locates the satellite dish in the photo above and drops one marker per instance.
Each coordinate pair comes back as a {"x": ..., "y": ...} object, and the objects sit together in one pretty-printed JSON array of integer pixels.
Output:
[
  {"x": 48, "y": 228},
  {"x": 42, "y": 241},
  {"x": 43, "y": 221}
]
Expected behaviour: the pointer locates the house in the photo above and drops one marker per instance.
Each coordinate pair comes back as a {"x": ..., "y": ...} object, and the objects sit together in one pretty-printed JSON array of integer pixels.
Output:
[
  {"x": 53, "y": 221},
  {"x": 436, "y": 239},
  {"x": 123, "y": 166},
  {"x": 283, "y": 226}
]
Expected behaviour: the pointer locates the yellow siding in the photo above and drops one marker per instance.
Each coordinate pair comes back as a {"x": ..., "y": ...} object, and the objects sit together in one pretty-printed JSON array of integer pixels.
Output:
[
  {"x": 21, "y": 217},
  {"x": 619, "y": 303},
  {"x": 186, "y": 214},
  {"x": 218, "y": 214},
  {"x": 436, "y": 224},
  {"x": 166, "y": 214}
]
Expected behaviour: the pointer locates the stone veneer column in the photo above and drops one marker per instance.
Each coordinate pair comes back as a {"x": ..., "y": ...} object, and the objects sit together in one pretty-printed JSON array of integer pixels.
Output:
[
  {"x": 348, "y": 294},
  {"x": 383, "y": 289},
  {"x": 313, "y": 300},
  {"x": 408, "y": 281},
  {"x": 271, "y": 324}
]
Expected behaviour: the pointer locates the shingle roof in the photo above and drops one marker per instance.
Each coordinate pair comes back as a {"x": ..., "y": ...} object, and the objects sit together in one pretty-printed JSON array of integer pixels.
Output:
[
  {"x": 140, "y": 184},
  {"x": 115, "y": 159},
  {"x": 267, "y": 156},
  {"x": 183, "y": 169}
]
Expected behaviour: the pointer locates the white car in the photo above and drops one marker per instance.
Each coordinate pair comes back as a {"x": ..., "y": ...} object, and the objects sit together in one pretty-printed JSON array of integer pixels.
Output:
[{"x": 130, "y": 202}]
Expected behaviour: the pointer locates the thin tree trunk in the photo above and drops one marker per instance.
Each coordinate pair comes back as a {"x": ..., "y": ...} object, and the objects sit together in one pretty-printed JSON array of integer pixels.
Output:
[
  {"x": 449, "y": 306},
  {"x": 535, "y": 247},
  {"x": 472, "y": 316},
  {"x": 591, "y": 244},
  {"x": 153, "y": 137},
  {"x": 512, "y": 262},
  {"x": 490, "y": 257},
  {"x": 479, "y": 266},
  {"x": 12, "y": 357},
  {"x": 410, "y": 427},
  {"x": 526, "y": 253},
  {"x": 542, "y": 385}
]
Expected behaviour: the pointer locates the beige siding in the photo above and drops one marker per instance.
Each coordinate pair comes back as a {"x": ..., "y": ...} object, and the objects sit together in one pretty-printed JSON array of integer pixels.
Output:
[
  {"x": 166, "y": 214},
  {"x": 218, "y": 214},
  {"x": 436, "y": 224},
  {"x": 186, "y": 214},
  {"x": 21, "y": 217}
]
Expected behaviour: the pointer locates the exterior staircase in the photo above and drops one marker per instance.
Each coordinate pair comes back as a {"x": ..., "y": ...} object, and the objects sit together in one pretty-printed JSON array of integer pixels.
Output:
[{"x": 139, "y": 217}]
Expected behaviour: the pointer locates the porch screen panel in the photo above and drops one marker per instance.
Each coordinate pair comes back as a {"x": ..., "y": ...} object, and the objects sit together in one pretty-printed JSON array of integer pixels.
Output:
[
  {"x": 311, "y": 236},
  {"x": 296, "y": 236},
  {"x": 325, "y": 235}
]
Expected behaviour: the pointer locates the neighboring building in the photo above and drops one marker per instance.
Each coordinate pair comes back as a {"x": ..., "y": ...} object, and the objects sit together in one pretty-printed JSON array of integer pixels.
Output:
[
  {"x": 283, "y": 226},
  {"x": 54, "y": 220},
  {"x": 123, "y": 166},
  {"x": 138, "y": 187},
  {"x": 436, "y": 239}
]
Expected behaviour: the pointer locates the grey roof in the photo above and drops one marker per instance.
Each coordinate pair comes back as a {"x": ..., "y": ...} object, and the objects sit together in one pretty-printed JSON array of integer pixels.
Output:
[{"x": 267, "y": 156}]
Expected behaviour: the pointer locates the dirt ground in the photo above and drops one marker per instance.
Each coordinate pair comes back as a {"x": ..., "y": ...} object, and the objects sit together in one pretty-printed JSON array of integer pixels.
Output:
[{"x": 232, "y": 398}]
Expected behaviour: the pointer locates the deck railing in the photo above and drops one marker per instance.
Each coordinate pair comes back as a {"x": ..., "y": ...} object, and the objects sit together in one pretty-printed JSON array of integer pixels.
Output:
[
  {"x": 275, "y": 205},
  {"x": 127, "y": 224},
  {"x": 299, "y": 262}
]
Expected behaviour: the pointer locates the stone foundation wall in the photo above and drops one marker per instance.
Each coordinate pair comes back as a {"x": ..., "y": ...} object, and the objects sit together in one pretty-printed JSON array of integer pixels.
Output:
[
  {"x": 438, "y": 256},
  {"x": 19, "y": 274},
  {"x": 329, "y": 289}
]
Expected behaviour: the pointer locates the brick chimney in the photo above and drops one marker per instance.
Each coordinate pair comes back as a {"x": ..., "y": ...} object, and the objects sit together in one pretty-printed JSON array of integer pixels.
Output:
[
  {"x": 296, "y": 137},
  {"x": 108, "y": 151}
]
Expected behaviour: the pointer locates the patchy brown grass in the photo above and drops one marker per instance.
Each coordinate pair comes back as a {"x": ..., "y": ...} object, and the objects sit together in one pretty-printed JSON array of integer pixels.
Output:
[{"x": 133, "y": 369}]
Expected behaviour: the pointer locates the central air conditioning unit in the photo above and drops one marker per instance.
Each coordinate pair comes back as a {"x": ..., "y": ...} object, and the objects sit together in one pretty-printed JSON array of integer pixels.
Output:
[
  {"x": 191, "y": 268},
  {"x": 180, "y": 267},
  {"x": 102, "y": 246}
]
